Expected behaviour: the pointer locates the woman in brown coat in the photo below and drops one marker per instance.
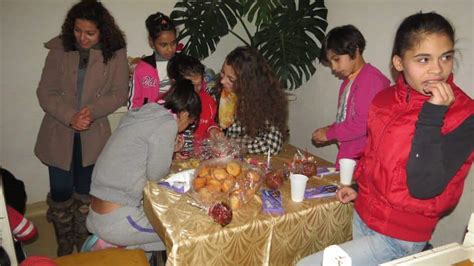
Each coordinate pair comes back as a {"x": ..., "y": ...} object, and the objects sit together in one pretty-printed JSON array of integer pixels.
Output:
[{"x": 84, "y": 79}]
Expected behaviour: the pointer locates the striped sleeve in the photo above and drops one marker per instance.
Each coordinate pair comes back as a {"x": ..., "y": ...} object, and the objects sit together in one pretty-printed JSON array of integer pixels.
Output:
[{"x": 22, "y": 229}]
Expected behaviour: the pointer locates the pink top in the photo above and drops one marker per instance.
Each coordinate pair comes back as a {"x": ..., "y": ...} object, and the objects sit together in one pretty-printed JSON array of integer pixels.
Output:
[{"x": 352, "y": 132}]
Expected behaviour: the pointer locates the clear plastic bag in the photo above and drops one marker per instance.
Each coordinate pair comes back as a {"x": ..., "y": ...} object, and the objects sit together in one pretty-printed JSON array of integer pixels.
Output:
[{"x": 226, "y": 180}]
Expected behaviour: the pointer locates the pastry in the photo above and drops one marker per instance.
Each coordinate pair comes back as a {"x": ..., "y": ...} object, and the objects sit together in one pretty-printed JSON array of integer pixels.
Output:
[
  {"x": 233, "y": 168},
  {"x": 219, "y": 174},
  {"x": 198, "y": 183}
]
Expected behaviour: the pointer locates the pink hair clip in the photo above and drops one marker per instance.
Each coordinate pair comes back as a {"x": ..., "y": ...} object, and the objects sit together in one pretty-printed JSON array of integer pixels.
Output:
[{"x": 163, "y": 21}]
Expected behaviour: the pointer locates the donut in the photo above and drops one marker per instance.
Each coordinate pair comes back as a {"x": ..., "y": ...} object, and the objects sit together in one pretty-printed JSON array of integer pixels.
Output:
[
  {"x": 233, "y": 168},
  {"x": 198, "y": 183},
  {"x": 219, "y": 174}
]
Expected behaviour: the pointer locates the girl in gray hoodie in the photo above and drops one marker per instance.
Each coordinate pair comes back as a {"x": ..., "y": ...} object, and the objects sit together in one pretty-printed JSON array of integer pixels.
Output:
[{"x": 139, "y": 150}]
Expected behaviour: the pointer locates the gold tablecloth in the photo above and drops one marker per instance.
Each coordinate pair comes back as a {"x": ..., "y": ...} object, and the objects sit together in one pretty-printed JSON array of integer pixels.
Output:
[{"x": 252, "y": 238}]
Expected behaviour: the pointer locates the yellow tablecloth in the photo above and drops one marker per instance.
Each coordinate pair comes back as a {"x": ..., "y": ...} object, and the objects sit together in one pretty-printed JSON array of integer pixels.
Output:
[{"x": 252, "y": 238}]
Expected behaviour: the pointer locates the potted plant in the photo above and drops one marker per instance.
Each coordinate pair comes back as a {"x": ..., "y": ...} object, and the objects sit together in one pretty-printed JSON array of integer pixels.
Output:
[{"x": 287, "y": 33}]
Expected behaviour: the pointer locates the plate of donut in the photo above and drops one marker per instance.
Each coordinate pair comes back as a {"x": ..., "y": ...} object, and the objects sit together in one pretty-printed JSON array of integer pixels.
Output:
[{"x": 228, "y": 180}]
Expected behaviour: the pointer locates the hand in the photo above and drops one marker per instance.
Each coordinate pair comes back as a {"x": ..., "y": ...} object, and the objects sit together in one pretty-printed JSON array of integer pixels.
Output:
[
  {"x": 216, "y": 133},
  {"x": 346, "y": 194},
  {"x": 441, "y": 93},
  {"x": 81, "y": 120},
  {"x": 319, "y": 135},
  {"x": 180, "y": 157},
  {"x": 178, "y": 143}
]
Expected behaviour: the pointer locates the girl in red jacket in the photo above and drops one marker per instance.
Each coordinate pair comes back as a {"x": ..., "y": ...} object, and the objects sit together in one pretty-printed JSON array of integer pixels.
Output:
[
  {"x": 187, "y": 67},
  {"x": 419, "y": 149}
]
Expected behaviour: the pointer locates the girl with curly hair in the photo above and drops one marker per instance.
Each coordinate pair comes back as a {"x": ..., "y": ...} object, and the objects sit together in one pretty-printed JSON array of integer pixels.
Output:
[
  {"x": 252, "y": 104},
  {"x": 84, "y": 79}
]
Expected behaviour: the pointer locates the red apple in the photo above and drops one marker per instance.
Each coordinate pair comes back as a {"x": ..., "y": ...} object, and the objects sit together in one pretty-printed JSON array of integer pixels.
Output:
[
  {"x": 274, "y": 179},
  {"x": 309, "y": 168}
]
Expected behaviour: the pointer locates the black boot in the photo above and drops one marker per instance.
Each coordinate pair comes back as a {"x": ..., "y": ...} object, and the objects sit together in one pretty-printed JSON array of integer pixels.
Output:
[
  {"x": 62, "y": 217},
  {"x": 81, "y": 210}
]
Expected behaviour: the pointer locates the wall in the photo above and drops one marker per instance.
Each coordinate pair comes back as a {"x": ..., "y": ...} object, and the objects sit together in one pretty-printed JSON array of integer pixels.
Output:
[
  {"x": 378, "y": 21},
  {"x": 27, "y": 24}
]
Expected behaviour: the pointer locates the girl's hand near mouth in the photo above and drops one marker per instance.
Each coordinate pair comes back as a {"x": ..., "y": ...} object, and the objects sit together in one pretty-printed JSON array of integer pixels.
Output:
[{"x": 441, "y": 93}]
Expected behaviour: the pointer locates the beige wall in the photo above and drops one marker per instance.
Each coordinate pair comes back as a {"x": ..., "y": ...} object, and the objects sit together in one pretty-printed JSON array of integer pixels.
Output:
[{"x": 26, "y": 24}]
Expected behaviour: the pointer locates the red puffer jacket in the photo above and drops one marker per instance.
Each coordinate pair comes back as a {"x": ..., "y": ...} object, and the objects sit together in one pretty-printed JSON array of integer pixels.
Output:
[{"x": 384, "y": 202}]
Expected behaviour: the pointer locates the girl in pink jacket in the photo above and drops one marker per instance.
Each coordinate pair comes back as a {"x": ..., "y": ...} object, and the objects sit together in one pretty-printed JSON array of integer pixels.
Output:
[
  {"x": 150, "y": 79},
  {"x": 342, "y": 51}
]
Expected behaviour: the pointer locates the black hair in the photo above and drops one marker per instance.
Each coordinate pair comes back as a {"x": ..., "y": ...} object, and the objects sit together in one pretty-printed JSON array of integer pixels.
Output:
[
  {"x": 4, "y": 258},
  {"x": 158, "y": 22},
  {"x": 181, "y": 65},
  {"x": 182, "y": 97},
  {"x": 342, "y": 40},
  {"x": 415, "y": 27},
  {"x": 111, "y": 37}
]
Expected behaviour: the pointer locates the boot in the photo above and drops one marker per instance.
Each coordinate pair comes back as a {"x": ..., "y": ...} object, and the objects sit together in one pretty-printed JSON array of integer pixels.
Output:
[
  {"x": 60, "y": 214},
  {"x": 81, "y": 210}
]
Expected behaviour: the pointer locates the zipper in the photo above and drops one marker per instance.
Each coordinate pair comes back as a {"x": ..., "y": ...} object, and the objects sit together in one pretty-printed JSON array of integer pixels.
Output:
[{"x": 388, "y": 124}]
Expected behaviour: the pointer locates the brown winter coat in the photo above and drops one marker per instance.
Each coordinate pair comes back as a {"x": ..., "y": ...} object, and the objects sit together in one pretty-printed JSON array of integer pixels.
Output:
[{"x": 105, "y": 90}]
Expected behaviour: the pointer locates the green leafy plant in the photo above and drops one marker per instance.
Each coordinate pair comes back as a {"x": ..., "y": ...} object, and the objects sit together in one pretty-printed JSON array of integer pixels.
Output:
[{"x": 287, "y": 33}]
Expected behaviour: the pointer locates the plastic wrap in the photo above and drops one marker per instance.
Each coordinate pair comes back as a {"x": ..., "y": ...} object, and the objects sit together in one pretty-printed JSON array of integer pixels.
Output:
[{"x": 226, "y": 180}]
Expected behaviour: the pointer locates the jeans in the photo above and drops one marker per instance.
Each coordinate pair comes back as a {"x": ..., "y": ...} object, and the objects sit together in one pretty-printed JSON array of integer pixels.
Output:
[
  {"x": 78, "y": 179},
  {"x": 369, "y": 247}
]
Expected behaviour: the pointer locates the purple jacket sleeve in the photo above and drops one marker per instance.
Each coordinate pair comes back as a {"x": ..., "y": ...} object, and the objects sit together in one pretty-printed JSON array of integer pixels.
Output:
[{"x": 363, "y": 90}]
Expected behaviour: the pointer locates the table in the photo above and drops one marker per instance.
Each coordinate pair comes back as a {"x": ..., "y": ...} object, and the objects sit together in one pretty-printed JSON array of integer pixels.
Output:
[{"x": 253, "y": 237}]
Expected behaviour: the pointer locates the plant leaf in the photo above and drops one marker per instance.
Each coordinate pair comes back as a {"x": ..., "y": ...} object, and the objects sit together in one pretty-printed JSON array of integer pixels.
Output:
[
  {"x": 262, "y": 9},
  {"x": 204, "y": 23},
  {"x": 291, "y": 40}
]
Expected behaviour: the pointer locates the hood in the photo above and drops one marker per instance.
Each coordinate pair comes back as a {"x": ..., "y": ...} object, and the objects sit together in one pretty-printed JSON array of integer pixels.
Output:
[
  {"x": 54, "y": 43},
  {"x": 57, "y": 43},
  {"x": 150, "y": 111}
]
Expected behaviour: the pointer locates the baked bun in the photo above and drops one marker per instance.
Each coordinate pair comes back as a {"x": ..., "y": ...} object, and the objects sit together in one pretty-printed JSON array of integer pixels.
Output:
[
  {"x": 219, "y": 174},
  {"x": 198, "y": 183},
  {"x": 233, "y": 168},
  {"x": 204, "y": 171}
]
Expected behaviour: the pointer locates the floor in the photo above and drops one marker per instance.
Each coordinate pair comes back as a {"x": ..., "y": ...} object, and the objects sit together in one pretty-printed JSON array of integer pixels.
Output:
[{"x": 45, "y": 244}]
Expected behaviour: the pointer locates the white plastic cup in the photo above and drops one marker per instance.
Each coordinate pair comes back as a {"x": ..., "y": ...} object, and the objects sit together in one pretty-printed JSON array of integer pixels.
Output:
[
  {"x": 346, "y": 170},
  {"x": 298, "y": 186}
]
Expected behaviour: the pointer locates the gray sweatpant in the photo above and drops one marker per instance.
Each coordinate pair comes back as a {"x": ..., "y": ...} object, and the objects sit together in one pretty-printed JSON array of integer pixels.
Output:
[{"x": 125, "y": 226}]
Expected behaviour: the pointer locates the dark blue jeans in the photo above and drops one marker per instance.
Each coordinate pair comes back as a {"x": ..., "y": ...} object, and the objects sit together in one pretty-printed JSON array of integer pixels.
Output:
[{"x": 78, "y": 179}]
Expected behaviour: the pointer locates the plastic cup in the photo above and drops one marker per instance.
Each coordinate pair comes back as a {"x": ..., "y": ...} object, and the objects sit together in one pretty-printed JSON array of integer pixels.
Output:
[
  {"x": 346, "y": 170},
  {"x": 298, "y": 185}
]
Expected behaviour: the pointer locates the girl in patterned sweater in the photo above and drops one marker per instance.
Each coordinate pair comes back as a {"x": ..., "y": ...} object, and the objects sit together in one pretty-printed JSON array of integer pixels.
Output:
[{"x": 253, "y": 107}]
